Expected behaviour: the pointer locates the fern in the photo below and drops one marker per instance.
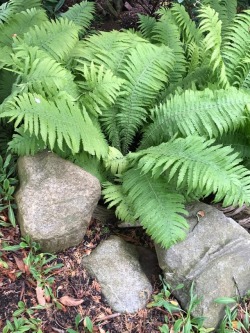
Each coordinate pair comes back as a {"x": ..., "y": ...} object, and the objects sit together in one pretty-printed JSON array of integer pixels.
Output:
[
  {"x": 57, "y": 38},
  {"x": 226, "y": 10},
  {"x": 101, "y": 87},
  {"x": 146, "y": 25},
  {"x": 19, "y": 24},
  {"x": 20, "y": 5},
  {"x": 57, "y": 121},
  {"x": 166, "y": 32},
  {"x": 114, "y": 195},
  {"x": 208, "y": 112},
  {"x": 5, "y": 12},
  {"x": 24, "y": 143},
  {"x": 158, "y": 207},
  {"x": 41, "y": 74},
  {"x": 236, "y": 49},
  {"x": 200, "y": 167},
  {"x": 97, "y": 48},
  {"x": 187, "y": 27},
  {"x": 7, "y": 79},
  {"x": 146, "y": 71},
  {"x": 211, "y": 26},
  {"x": 81, "y": 14}
]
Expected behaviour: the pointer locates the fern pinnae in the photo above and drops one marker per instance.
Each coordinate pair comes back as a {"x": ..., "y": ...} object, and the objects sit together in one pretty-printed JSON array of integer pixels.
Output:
[
  {"x": 211, "y": 26},
  {"x": 159, "y": 209},
  {"x": 200, "y": 165},
  {"x": 145, "y": 71},
  {"x": 81, "y": 14},
  {"x": 209, "y": 113}
]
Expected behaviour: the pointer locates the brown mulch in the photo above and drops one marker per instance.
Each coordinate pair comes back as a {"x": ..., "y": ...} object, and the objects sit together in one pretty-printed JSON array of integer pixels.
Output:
[{"x": 73, "y": 280}]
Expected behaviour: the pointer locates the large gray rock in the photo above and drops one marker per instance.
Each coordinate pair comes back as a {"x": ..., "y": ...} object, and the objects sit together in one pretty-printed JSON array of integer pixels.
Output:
[
  {"x": 215, "y": 256},
  {"x": 55, "y": 200},
  {"x": 115, "y": 264}
]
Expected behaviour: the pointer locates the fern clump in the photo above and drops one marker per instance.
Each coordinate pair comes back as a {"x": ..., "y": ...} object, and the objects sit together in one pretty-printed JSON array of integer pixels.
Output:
[{"x": 160, "y": 116}]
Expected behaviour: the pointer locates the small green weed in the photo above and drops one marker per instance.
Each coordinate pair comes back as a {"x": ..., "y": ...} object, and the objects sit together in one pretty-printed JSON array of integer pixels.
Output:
[
  {"x": 7, "y": 188},
  {"x": 87, "y": 323},
  {"x": 23, "y": 320},
  {"x": 179, "y": 321}
]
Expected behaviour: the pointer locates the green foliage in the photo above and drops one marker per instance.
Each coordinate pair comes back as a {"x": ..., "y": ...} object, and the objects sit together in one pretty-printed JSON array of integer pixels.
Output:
[{"x": 149, "y": 113}]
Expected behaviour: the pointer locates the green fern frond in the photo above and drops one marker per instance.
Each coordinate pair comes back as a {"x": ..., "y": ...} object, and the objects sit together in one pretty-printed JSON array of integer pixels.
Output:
[
  {"x": 99, "y": 87},
  {"x": 225, "y": 8},
  {"x": 210, "y": 25},
  {"x": 5, "y": 56},
  {"x": 23, "y": 143},
  {"x": 56, "y": 122},
  {"x": 97, "y": 48},
  {"x": 6, "y": 12},
  {"x": 57, "y": 38},
  {"x": 189, "y": 32},
  {"x": 199, "y": 166},
  {"x": 20, "y": 5},
  {"x": 167, "y": 33},
  {"x": 109, "y": 124},
  {"x": 209, "y": 113},
  {"x": 158, "y": 208},
  {"x": 146, "y": 72},
  {"x": 236, "y": 48},
  {"x": 115, "y": 161},
  {"x": 246, "y": 81},
  {"x": 41, "y": 74},
  {"x": 114, "y": 195},
  {"x": 90, "y": 164},
  {"x": 146, "y": 25},
  {"x": 19, "y": 24},
  {"x": 81, "y": 14}
]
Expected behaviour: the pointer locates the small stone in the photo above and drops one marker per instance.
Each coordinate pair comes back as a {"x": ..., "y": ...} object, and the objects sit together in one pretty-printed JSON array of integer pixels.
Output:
[
  {"x": 115, "y": 264},
  {"x": 55, "y": 200}
]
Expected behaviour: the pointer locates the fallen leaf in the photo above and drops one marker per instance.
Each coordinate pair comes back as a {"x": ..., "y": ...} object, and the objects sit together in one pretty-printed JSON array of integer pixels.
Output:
[
  {"x": 201, "y": 213},
  {"x": 20, "y": 264},
  {"x": 40, "y": 295},
  {"x": 101, "y": 330},
  {"x": 70, "y": 301}
]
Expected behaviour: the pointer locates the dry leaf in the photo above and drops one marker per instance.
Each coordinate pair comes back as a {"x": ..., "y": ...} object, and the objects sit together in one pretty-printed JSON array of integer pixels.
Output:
[
  {"x": 70, "y": 301},
  {"x": 20, "y": 264},
  {"x": 40, "y": 296},
  {"x": 201, "y": 213},
  {"x": 101, "y": 330}
]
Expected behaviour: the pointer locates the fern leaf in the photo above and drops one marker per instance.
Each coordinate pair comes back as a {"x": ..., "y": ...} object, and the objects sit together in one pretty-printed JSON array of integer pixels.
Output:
[
  {"x": 109, "y": 124},
  {"x": 146, "y": 72},
  {"x": 236, "y": 53},
  {"x": 158, "y": 208},
  {"x": 41, "y": 74},
  {"x": 81, "y": 14},
  {"x": 210, "y": 25},
  {"x": 99, "y": 87},
  {"x": 90, "y": 164},
  {"x": 166, "y": 32},
  {"x": 20, "y": 5},
  {"x": 200, "y": 166},
  {"x": 57, "y": 38},
  {"x": 19, "y": 24},
  {"x": 97, "y": 48},
  {"x": 115, "y": 161},
  {"x": 5, "y": 12},
  {"x": 209, "y": 113},
  {"x": 57, "y": 121},
  {"x": 114, "y": 195},
  {"x": 146, "y": 25},
  {"x": 24, "y": 143},
  {"x": 226, "y": 10},
  {"x": 187, "y": 27}
]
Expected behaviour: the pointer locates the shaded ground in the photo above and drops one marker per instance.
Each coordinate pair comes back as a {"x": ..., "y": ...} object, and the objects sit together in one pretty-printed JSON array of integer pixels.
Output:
[{"x": 72, "y": 280}]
